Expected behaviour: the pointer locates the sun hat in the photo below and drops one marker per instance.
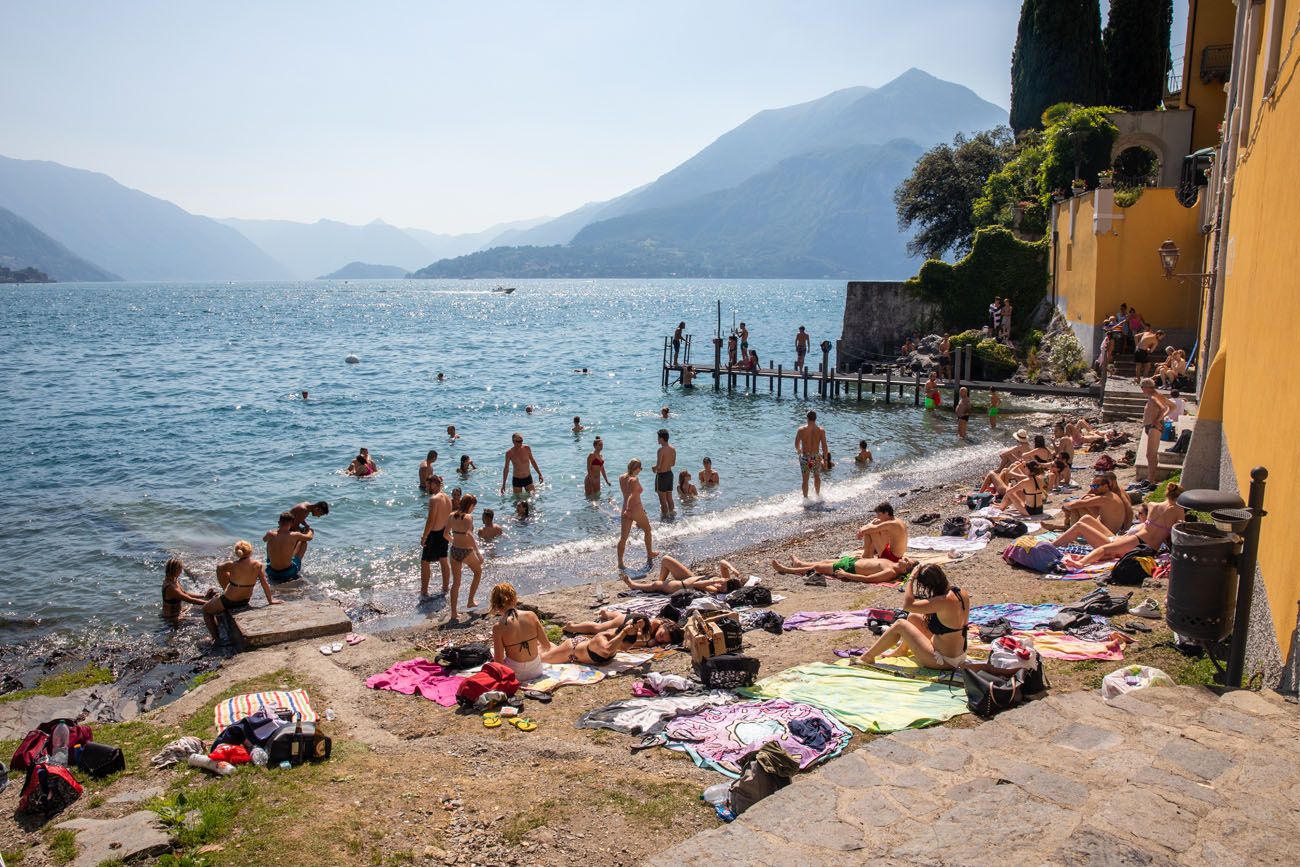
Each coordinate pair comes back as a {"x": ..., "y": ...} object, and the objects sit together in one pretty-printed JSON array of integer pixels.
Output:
[{"x": 1022, "y": 435}]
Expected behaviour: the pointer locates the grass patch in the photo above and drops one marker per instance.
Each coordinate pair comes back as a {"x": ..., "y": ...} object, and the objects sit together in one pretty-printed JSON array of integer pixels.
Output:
[
  {"x": 1198, "y": 671},
  {"x": 1090, "y": 672},
  {"x": 655, "y": 804},
  {"x": 554, "y": 632},
  {"x": 218, "y": 802},
  {"x": 64, "y": 683},
  {"x": 63, "y": 846},
  {"x": 536, "y": 816},
  {"x": 604, "y": 737},
  {"x": 13, "y": 857},
  {"x": 200, "y": 679}
]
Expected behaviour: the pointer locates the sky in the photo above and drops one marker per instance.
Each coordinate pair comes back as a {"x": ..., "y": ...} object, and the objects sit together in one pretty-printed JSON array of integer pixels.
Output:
[{"x": 444, "y": 116}]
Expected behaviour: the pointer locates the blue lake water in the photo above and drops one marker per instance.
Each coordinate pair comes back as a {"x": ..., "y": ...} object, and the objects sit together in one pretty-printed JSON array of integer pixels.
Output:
[{"x": 149, "y": 420}]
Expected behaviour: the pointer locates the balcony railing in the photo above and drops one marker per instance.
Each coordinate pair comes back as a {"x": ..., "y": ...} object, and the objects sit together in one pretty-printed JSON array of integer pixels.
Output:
[{"x": 1216, "y": 62}]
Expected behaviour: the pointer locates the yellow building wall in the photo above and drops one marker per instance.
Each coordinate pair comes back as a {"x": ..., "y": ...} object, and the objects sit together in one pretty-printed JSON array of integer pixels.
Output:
[
  {"x": 1261, "y": 324},
  {"x": 1209, "y": 22},
  {"x": 1096, "y": 273}
]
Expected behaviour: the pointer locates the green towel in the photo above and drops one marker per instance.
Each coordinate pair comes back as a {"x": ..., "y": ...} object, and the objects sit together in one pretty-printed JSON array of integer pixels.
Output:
[{"x": 869, "y": 700}]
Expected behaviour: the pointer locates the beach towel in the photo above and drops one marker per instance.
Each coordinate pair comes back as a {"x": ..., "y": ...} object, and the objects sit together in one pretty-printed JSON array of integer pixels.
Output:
[
  {"x": 634, "y": 716},
  {"x": 718, "y": 737},
  {"x": 948, "y": 544},
  {"x": 556, "y": 675},
  {"x": 419, "y": 676},
  {"x": 1019, "y": 615},
  {"x": 829, "y": 621},
  {"x": 1061, "y": 645},
  {"x": 234, "y": 709},
  {"x": 867, "y": 699}
]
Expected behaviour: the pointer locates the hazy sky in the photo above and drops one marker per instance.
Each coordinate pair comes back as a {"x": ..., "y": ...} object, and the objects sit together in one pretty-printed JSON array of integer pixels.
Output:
[{"x": 446, "y": 116}]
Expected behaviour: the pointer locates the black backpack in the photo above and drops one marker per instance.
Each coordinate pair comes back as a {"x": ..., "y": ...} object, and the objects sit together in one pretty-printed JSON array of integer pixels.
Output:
[
  {"x": 466, "y": 656},
  {"x": 1130, "y": 571},
  {"x": 683, "y": 598},
  {"x": 100, "y": 760},
  {"x": 728, "y": 671},
  {"x": 958, "y": 525},
  {"x": 1184, "y": 440},
  {"x": 1009, "y": 528},
  {"x": 757, "y": 595}
]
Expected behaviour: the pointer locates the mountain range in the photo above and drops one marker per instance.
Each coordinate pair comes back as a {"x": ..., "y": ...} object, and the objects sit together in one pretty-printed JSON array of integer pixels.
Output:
[{"x": 800, "y": 191}]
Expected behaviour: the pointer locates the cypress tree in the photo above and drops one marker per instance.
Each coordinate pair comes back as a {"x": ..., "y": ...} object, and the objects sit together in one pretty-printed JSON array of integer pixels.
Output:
[
  {"x": 1136, "y": 47},
  {"x": 1057, "y": 58}
]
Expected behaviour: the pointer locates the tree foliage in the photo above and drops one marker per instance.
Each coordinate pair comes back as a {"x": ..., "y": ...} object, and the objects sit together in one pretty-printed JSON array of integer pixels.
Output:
[
  {"x": 1057, "y": 58},
  {"x": 1077, "y": 146},
  {"x": 1015, "y": 185},
  {"x": 1135, "y": 45},
  {"x": 939, "y": 194}
]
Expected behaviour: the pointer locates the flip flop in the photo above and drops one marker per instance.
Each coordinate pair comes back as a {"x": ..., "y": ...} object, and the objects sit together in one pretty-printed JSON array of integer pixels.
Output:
[
  {"x": 538, "y": 695},
  {"x": 523, "y": 723},
  {"x": 353, "y": 639},
  {"x": 337, "y": 646},
  {"x": 491, "y": 719},
  {"x": 325, "y": 649}
]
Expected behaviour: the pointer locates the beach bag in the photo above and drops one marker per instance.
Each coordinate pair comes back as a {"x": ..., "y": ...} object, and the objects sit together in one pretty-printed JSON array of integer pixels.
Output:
[
  {"x": 295, "y": 743},
  {"x": 1133, "y": 568},
  {"x": 493, "y": 676},
  {"x": 1012, "y": 653},
  {"x": 959, "y": 525},
  {"x": 757, "y": 595},
  {"x": 989, "y": 694},
  {"x": 1104, "y": 464},
  {"x": 1032, "y": 554},
  {"x": 47, "y": 789},
  {"x": 683, "y": 598},
  {"x": 467, "y": 656},
  {"x": 762, "y": 772},
  {"x": 979, "y": 500},
  {"x": 728, "y": 671},
  {"x": 1167, "y": 433},
  {"x": 100, "y": 760},
  {"x": 1009, "y": 528},
  {"x": 36, "y": 743}
]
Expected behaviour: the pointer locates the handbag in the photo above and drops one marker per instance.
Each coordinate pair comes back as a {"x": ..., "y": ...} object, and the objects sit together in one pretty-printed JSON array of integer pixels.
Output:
[
  {"x": 100, "y": 760},
  {"x": 988, "y": 694}
]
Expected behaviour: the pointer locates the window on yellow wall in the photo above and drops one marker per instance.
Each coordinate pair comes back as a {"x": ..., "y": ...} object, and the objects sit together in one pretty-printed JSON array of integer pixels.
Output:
[{"x": 1273, "y": 44}]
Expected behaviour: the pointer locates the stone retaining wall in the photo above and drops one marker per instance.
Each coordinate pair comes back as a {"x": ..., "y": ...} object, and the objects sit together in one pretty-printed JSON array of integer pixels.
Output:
[{"x": 877, "y": 316}]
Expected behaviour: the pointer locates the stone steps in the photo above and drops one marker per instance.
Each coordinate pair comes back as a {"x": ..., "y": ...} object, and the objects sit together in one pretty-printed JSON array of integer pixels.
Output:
[{"x": 1162, "y": 776}]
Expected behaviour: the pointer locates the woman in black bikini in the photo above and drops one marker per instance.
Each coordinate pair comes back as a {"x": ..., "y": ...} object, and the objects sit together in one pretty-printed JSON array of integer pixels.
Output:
[
  {"x": 934, "y": 631},
  {"x": 237, "y": 578},
  {"x": 600, "y": 649},
  {"x": 595, "y": 469},
  {"x": 1028, "y": 495},
  {"x": 463, "y": 550},
  {"x": 173, "y": 594},
  {"x": 518, "y": 639}
]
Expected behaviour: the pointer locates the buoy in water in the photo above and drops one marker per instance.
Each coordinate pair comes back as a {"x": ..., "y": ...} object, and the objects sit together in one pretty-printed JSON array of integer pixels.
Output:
[{"x": 352, "y": 359}]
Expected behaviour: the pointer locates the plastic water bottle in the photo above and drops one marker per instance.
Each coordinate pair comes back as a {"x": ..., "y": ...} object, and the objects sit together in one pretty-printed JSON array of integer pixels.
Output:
[
  {"x": 199, "y": 760},
  {"x": 718, "y": 794},
  {"x": 285, "y": 765},
  {"x": 329, "y": 714},
  {"x": 59, "y": 745},
  {"x": 259, "y": 756}
]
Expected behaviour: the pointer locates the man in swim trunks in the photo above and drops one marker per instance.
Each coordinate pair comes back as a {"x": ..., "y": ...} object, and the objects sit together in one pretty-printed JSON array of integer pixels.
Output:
[
  {"x": 426, "y": 470},
  {"x": 995, "y": 407},
  {"x": 677, "y": 341},
  {"x": 665, "y": 458},
  {"x": 1153, "y": 416},
  {"x": 285, "y": 547},
  {"x": 433, "y": 539},
  {"x": 963, "y": 411},
  {"x": 744, "y": 341},
  {"x": 810, "y": 446},
  {"x": 520, "y": 458},
  {"x": 1146, "y": 343},
  {"x": 801, "y": 343},
  {"x": 863, "y": 570},
  {"x": 884, "y": 536}
]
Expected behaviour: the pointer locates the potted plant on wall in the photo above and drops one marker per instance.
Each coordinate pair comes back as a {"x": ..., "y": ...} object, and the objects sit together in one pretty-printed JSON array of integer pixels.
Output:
[
  {"x": 1078, "y": 186},
  {"x": 1105, "y": 179}
]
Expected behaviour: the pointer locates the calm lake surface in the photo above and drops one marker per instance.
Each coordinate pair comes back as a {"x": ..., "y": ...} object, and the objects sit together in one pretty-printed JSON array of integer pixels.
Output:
[{"x": 146, "y": 420}]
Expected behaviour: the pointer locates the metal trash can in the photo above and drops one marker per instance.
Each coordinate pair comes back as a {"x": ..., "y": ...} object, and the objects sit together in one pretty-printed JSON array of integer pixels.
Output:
[
  {"x": 1202, "y": 582},
  {"x": 1232, "y": 520}
]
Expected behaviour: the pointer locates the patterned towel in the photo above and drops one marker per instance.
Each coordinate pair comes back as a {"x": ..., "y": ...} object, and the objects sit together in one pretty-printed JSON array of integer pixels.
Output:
[{"x": 234, "y": 709}]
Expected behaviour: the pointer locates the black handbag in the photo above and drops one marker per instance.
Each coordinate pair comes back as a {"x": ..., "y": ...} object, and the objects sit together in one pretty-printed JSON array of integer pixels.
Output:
[
  {"x": 100, "y": 760},
  {"x": 297, "y": 742},
  {"x": 988, "y": 694},
  {"x": 1009, "y": 528},
  {"x": 728, "y": 671}
]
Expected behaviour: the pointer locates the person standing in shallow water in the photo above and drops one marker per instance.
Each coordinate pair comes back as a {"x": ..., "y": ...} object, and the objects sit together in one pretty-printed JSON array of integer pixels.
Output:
[
  {"x": 995, "y": 407},
  {"x": 963, "y": 411},
  {"x": 595, "y": 469},
  {"x": 520, "y": 458},
  {"x": 665, "y": 458},
  {"x": 426, "y": 470},
  {"x": 633, "y": 512},
  {"x": 433, "y": 540},
  {"x": 810, "y": 445}
]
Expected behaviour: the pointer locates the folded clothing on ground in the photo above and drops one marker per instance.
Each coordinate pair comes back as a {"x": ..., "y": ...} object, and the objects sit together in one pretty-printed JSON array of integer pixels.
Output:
[
  {"x": 293, "y": 701},
  {"x": 867, "y": 699},
  {"x": 718, "y": 737},
  {"x": 634, "y": 716},
  {"x": 419, "y": 676}
]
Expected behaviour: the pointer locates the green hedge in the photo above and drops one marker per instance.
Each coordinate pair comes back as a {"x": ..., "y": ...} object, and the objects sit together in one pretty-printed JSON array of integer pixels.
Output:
[{"x": 998, "y": 264}]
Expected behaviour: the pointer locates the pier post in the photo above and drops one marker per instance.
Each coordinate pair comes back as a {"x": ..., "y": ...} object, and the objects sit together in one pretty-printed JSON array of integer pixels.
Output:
[
  {"x": 665, "y": 365},
  {"x": 717, "y": 363},
  {"x": 889, "y": 384},
  {"x": 826, "y": 367},
  {"x": 859, "y": 383},
  {"x": 956, "y": 380},
  {"x": 916, "y": 396},
  {"x": 805, "y": 382},
  {"x": 778, "y": 380}
]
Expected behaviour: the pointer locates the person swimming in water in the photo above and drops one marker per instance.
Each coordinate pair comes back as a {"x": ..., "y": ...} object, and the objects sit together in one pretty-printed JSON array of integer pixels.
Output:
[
  {"x": 577, "y": 424},
  {"x": 708, "y": 475},
  {"x": 426, "y": 470},
  {"x": 490, "y": 530},
  {"x": 362, "y": 465},
  {"x": 686, "y": 490},
  {"x": 864, "y": 454},
  {"x": 466, "y": 466}
]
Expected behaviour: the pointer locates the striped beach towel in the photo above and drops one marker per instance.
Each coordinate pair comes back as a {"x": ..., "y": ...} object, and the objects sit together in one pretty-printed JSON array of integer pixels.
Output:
[{"x": 234, "y": 709}]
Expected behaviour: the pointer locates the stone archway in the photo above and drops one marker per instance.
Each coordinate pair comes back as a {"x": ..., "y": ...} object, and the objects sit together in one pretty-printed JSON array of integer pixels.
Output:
[{"x": 1138, "y": 165}]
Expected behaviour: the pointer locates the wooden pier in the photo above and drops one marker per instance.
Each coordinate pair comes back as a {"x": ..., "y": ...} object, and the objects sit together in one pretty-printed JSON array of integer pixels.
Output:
[{"x": 882, "y": 381}]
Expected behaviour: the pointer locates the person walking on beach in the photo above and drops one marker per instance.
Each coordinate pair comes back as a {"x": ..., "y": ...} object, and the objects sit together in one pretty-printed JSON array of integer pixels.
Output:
[
  {"x": 963, "y": 411},
  {"x": 810, "y": 445},
  {"x": 520, "y": 457},
  {"x": 678, "y": 336},
  {"x": 426, "y": 470},
  {"x": 433, "y": 539},
  {"x": 801, "y": 343},
  {"x": 285, "y": 547},
  {"x": 665, "y": 458},
  {"x": 595, "y": 469},
  {"x": 463, "y": 550},
  {"x": 633, "y": 512},
  {"x": 1153, "y": 416}
]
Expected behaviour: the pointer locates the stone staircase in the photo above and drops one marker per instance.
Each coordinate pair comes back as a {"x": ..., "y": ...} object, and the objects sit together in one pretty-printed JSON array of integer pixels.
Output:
[
  {"x": 1163, "y": 776},
  {"x": 1122, "y": 400}
]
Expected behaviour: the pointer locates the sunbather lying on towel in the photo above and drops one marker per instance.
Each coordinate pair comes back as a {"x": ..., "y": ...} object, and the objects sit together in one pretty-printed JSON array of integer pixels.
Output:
[
  {"x": 864, "y": 570},
  {"x": 1153, "y": 532},
  {"x": 655, "y": 631},
  {"x": 934, "y": 631},
  {"x": 674, "y": 576},
  {"x": 599, "y": 649}
]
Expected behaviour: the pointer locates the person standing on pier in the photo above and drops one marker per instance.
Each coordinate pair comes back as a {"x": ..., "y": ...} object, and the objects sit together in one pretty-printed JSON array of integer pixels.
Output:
[
  {"x": 801, "y": 343},
  {"x": 663, "y": 470},
  {"x": 678, "y": 336},
  {"x": 744, "y": 341},
  {"x": 520, "y": 457},
  {"x": 810, "y": 445},
  {"x": 731, "y": 350},
  {"x": 433, "y": 540}
]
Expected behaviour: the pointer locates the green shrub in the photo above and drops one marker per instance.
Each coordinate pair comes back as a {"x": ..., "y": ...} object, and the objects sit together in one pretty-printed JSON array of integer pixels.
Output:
[
  {"x": 1034, "y": 338},
  {"x": 1126, "y": 197},
  {"x": 991, "y": 350},
  {"x": 1066, "y": 356},
  {"x": 966, "y": 338}
]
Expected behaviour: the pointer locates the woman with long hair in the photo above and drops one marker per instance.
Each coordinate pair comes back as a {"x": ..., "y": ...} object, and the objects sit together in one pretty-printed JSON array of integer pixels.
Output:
[
  {"x": 633, "y": 512},
  {"x": 934, "y": 631},
  {"x": 463, "y": 551},
  {"x": 1152, "y": 532},
  {"x": 595, "y": 469},
  {"x": 518, "y": 639}
]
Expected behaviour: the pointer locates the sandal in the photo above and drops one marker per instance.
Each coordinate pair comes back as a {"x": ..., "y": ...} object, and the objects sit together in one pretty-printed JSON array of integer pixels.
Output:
[
  {"x": 491, "y": 719},
  {"x": 523, "y": 723},
  {"x": 538, "y": 695},
  {"x": 326, "y": 649},
  {"x": 337, "y": 647},
  {"x": 354, "y": 638}
]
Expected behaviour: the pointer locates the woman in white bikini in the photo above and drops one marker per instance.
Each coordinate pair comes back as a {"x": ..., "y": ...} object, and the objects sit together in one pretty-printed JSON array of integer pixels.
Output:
[
  {"x": 518, "y": 639},
  {"x": 463, "y": 551},
  {"x": 633, "y": 512},
  {"x": 1153, "y": 532}
]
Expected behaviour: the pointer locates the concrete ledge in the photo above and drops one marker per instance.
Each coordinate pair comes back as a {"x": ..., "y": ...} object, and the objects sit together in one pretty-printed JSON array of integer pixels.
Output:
[
  {"x": 289, "y": 621},
  {"x": 1166, "y": 464}
]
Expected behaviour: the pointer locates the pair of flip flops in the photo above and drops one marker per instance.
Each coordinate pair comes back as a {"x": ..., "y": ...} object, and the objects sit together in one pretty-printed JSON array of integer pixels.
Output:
[
  {"x": 492, "y": 720},
  {"x": 352, "y": 639}
]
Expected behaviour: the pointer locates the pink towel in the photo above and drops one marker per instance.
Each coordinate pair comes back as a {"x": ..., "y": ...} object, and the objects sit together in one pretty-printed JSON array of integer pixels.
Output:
[
  {"x": 421, "y": 676},
  {"x": 1060, "y": 645}
]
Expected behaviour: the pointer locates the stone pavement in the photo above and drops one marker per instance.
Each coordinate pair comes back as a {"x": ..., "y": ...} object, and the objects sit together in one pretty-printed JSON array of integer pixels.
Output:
[{"x": 1165, "y": 776}]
